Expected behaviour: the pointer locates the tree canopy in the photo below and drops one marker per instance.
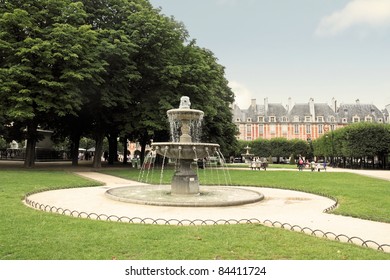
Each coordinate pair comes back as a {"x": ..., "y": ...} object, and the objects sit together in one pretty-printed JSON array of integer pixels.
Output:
[
  {"x": 104, "y": 68},
  {"x": 358, "y": 141}
]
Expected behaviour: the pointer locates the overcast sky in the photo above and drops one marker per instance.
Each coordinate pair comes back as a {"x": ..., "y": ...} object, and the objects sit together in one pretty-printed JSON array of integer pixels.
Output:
[{"x": 294, "y": 48}]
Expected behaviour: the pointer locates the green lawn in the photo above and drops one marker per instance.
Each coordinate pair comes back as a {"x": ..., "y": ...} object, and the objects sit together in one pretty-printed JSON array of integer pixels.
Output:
[{"x": 26, "y": 233}]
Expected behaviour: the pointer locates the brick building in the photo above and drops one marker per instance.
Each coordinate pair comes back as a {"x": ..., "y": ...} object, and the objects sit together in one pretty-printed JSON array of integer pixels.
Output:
[{"x": 301, "y": 121}]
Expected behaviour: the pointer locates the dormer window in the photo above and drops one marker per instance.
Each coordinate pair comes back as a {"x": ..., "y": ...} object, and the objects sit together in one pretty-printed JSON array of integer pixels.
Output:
[
  {"x": 249, "y": 120},
  {"x": 355, "y": 119},
  {"x": 320, "y": 119},
  {"x": 296, "y": 118},
  {"x": 307, "y": 119},
  {"x": 272, "y": 119},
  {"x": 368, "y": 119},
  {"x": 260, "y": 119}
]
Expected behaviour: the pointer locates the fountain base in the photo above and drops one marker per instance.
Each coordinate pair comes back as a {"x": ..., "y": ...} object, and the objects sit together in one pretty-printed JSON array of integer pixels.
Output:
[
  {"x": 210, "y": 196},
  {"x": 185, "y": 181}
]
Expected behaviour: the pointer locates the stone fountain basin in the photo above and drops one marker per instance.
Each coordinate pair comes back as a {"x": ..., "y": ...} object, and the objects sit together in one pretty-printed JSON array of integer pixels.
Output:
[
  {"x": 210, "y": 196},
  {"x": 185, "y": 150},
  {"x": 185, "y": 114}
]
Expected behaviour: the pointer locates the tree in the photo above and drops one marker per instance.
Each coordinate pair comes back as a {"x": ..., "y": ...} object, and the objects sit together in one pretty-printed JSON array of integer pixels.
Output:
[
  {"x": 46, "y": 53},
  {"x": 280, "y": 147},
  {"x": 261, "y": 147},
  {"x": 202, "y": 78},
  {"x": 357, "y": 142}
]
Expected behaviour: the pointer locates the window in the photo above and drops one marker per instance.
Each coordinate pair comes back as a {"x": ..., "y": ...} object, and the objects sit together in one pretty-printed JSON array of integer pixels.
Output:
[
  {"x": 238, "y": 120},
  {"x": 261, "y": 128},
  {"x": 344, "y": 120},
  {"x": 284, "y": 119},
  {"x": 355, "y": 119},
  {"x": 296, "y": 128},
  {"x": 249, "y": 120},
  {"x": 248, "y": 129},
  {"x": 260, "y": 119},
  {"x": 308, "y": 129},
  {"x": 332, "y": 119},
  {"x": 307, "y": 119},
  {"x": 320, "y": 129},
  {"x": 380, "y": 120},
  {"x": 368, "y": 119},
  {"x": 272, "y": 128},
  {"x": 272, "y": 119},
  {"x": 284, "y": 128},
  {"x": 320, "y": 119},
  {"x": 296, "y": 118}
]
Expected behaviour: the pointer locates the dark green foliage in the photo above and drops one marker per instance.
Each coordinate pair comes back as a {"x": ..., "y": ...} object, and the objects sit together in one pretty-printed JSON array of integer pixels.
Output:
[{"x": 104, "y": 68}]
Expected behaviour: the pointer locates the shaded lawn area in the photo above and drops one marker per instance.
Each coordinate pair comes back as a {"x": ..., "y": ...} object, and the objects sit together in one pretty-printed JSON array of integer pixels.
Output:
[{"x": 26, "y": 233}]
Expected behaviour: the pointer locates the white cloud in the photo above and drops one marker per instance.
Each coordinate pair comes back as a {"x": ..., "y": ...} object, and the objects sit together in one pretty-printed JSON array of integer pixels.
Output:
[
  {"x": 242, "y": 94},
  {"x": 368, "y": 13}
]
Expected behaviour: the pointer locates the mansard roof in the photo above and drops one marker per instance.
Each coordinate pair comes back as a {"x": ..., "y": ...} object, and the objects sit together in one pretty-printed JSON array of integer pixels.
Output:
[
  {"x": 349, "y": 111},
  {"x": 300, "y": 110},
  {"x": 276, "y": 109},
  {"x": 323, "y": 109},
  {"x": 320, "y": 109}
]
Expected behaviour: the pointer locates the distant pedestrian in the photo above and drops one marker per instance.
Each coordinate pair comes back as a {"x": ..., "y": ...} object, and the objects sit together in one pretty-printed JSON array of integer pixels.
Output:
[
  {"x": 300, "y": 164},
  {"x": 312, "y": 165}
]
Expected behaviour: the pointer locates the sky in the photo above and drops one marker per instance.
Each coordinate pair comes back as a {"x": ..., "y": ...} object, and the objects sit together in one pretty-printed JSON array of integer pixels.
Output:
[{"x": 277, "y": 49}]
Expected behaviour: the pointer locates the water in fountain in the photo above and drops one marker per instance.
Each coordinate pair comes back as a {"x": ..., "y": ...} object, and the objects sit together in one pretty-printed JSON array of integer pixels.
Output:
[{"x": 184, "y": 148}]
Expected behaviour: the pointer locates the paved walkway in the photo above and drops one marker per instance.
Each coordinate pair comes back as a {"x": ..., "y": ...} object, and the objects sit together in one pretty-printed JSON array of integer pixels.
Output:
[{"x": 280, "y": 206}]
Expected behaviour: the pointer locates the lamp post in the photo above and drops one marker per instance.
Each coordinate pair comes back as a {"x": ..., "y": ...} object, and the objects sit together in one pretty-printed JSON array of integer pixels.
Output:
[
  {"x": 332, "y": 144},
  {"x": 309, "y": 141}
]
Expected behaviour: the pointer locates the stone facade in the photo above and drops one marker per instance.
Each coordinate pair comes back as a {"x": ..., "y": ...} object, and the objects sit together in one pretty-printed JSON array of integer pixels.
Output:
[{"x": 301, "y": 121}]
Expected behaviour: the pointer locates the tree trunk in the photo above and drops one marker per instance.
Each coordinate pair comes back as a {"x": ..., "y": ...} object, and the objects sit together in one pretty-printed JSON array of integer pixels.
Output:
[
  {"x": 74, "y": 148},
  {"x": 143, "y": 141},
  {"x": 97, "y": 159},
  {"x": 113, "y": 148},
  {"x": 31, "y": 138}
]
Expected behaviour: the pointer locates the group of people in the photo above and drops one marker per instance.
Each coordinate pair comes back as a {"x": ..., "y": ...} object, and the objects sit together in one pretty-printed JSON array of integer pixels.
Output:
[
  {"x": 257, "y": 164},
  {"x": 312, "y": 164}
]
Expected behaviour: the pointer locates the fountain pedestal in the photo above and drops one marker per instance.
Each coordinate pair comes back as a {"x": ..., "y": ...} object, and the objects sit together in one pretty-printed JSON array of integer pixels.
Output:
[{"x": 185, "y": 181}]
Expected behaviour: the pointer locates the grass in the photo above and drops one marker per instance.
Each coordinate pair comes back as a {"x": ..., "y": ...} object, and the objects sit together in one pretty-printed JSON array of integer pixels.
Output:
[{"x": 29, "y": 234}]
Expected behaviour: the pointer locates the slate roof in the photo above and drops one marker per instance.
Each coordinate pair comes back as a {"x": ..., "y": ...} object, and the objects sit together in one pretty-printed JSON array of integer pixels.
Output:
[{"x": 362, "y": 111}]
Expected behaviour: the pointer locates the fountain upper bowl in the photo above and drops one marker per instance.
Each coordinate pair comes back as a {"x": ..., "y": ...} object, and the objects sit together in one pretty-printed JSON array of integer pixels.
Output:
[
  {"x": 185, "y": 114},
  {"x": 185, "y": 150}
]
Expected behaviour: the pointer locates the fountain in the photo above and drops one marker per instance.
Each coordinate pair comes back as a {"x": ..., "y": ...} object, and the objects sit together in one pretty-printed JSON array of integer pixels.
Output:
[
  {"x": 247, "y": 156},
  {"x": 185, "y": 147}
]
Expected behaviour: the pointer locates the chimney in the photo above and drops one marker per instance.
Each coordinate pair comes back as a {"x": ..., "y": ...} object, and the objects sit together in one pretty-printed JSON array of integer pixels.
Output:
[
  {"x": 289, "y": 108},
  {"x": 357, "y": 101},
  {"x": 266, "y": 106},
  {"x": 253, "y": 105},
  {"x": 312, "y": 110},
  {"x": 334, "y": 105}
]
